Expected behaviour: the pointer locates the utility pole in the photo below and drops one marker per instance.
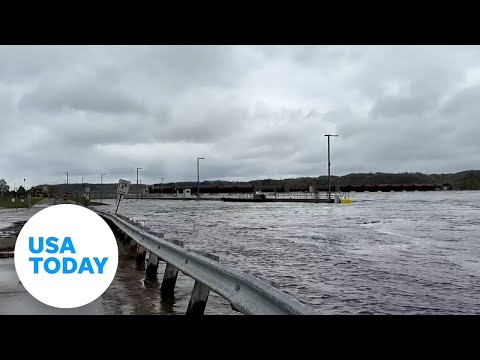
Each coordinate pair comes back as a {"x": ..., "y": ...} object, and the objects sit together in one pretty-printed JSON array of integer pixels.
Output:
[
  {"x": 198, "y": 175},
  {"x": 66, "y": 172},
  {"x": 328, "y": 137},
  {"x": 161, "y": 185},
  {"x": 101, "y": 183},
  {"x": 138, "y": 168}
]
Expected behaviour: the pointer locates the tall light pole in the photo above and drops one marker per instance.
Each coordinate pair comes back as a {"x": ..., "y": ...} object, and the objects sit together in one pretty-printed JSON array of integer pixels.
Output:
[
  {"x": 328, "y": 137},
  {"x": 82, "y": 180},
  {"x": 101, "y": 183},
  {"x": 161, "y": 184},
  {"x": 198, "y": 175},
  {"x": 66, "y": 172},
  {"x": 137, "y": 173}
]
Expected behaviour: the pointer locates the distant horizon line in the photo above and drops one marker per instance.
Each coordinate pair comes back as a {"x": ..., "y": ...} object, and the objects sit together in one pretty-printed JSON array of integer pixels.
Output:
[{"x": 260, "y": 179}]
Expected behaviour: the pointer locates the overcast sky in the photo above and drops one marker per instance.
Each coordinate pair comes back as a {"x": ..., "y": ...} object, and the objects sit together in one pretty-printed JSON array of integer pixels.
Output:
[{"x": 251, "y": 111}]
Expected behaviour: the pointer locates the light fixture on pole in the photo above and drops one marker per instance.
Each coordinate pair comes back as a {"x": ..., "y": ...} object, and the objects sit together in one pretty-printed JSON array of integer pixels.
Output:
[
  {"x": 328, "y": 137},
  {"x": 198, "y": 175}
]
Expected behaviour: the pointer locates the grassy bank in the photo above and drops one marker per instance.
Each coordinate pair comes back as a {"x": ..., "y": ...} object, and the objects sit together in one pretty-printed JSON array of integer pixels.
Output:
[{"x": 6, "y": 202}]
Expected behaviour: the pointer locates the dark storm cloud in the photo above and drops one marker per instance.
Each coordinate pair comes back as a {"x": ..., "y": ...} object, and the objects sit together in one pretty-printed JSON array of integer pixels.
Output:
[{"x": 251, "y": 111}]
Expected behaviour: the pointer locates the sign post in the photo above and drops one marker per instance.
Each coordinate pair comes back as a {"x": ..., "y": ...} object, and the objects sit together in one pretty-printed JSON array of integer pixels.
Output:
[{"x": 122, "y": 190}]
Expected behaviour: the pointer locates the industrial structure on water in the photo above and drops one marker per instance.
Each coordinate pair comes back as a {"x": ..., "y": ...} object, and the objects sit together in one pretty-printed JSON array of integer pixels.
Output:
[{"x": 250, "y": 188}]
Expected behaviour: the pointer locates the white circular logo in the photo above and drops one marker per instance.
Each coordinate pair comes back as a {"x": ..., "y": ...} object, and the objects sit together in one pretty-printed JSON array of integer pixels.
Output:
[{"x": 66, "y": 256}]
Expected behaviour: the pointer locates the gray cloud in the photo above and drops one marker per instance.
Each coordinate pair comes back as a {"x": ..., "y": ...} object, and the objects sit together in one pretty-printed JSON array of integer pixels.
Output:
[
  {"x": 81, "y": 97},
  {"x": 251, "y": 111}
]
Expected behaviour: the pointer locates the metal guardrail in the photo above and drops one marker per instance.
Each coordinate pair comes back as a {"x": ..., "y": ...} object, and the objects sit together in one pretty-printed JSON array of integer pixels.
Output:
[{"x": 245, "y": 293}]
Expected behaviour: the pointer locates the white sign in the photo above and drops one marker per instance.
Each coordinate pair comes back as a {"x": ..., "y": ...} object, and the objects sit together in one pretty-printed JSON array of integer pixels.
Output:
[
  {"x": 87, "y": 190},
  {"x": 87, "y": 196},
  {"x": 123, "y": 187}
]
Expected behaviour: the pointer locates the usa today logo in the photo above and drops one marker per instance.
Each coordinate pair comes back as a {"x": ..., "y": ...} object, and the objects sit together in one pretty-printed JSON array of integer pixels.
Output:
[{"x": 66, "y": 256}]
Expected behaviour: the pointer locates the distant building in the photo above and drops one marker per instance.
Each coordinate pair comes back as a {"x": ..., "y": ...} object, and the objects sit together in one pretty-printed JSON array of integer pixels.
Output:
[{"x": 39, "y": 191}]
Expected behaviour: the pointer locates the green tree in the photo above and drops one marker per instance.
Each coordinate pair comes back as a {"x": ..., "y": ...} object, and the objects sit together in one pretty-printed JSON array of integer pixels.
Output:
[{"x": 4, "y": 188}]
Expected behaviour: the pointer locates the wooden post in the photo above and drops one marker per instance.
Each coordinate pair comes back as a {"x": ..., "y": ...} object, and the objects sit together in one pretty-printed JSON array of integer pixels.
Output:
[
  {"x": 140, "y": 258},
  {"x": 170, "y": 277},
  {"x": 125, "y": 246},
  {"x": 152, "y": 267},
  {"x": 200, "y": 292},
  {"x": 131, "y": 247},
  {"x": 169, "y": 282},
  {"x": 198, "y": 300}
]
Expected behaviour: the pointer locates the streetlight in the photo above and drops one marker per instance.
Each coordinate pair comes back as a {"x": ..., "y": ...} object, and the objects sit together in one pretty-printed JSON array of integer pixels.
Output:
[
  {"x": 328, "y": 137},
  {"x": 137, "y": 173},
  {"x": 198, "y": 175},
  {"x": 66, "y": 172},
  {"x": 101, "y": 183}
]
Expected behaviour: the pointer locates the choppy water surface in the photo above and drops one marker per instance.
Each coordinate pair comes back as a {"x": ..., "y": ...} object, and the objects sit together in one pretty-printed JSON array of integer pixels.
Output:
[{"x": 386, "y": 253}]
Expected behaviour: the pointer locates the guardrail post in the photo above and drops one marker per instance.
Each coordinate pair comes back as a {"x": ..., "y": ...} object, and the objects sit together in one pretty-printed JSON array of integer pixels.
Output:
[
  {"x": 131, "y": 246},
  {"x": 200, "y": 292},
  {"x": 126, "y": 245},
  {"x": 152, "y": 267},
  {"x": 140, "y": 258},
  {"x": 198, "y": 300},
  {"x": 170, "y": 277}
]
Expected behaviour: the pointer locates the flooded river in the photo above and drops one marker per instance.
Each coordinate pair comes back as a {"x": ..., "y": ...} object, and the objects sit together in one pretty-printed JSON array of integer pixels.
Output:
[{"x": 386, "y": 253}]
